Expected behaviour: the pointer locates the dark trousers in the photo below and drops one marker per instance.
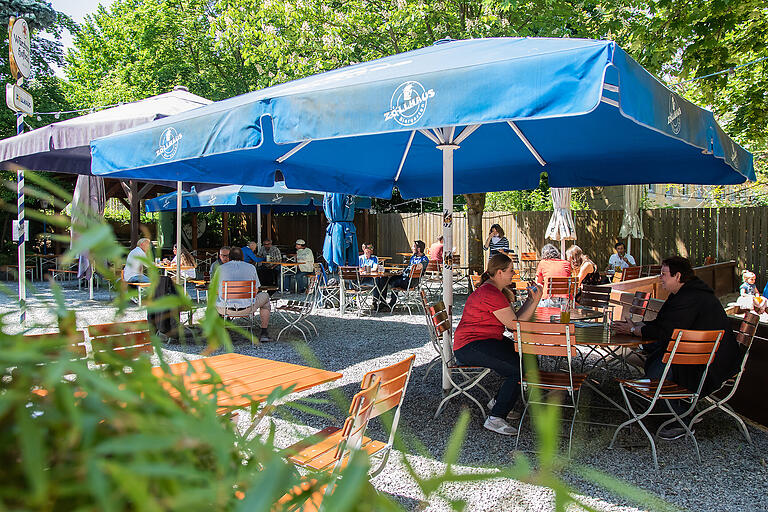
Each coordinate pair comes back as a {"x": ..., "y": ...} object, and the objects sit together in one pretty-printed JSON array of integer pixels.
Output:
[
  {"x": 268, "y": 276},
  {"x": 654, "y": 368},
  {"x": 382, "y": 284},
  {"x": 499, "y": 356}
]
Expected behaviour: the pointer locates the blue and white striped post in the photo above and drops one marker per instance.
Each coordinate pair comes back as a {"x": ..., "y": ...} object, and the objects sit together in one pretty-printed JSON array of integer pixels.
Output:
[{"x": 21, "y": 221}]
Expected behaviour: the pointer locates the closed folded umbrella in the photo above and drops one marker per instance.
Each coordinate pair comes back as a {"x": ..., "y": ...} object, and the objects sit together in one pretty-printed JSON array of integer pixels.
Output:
[
  {"x": 88, "y": 202},
  {"x": 631, "y": 225},
  {"x": 340, "y": 246},
  {"x": 561, "y": 225}
]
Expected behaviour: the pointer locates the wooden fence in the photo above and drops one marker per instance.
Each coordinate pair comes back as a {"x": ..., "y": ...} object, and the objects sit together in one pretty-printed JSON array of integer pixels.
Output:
[{"x": 740, "y": 234}]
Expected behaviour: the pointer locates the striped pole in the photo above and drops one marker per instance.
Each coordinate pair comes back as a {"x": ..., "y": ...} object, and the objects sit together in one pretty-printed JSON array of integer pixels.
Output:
[{"x": 20, "y": 203}]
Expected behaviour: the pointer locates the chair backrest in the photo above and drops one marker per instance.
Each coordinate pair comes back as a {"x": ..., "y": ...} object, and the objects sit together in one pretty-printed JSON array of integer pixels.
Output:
[
  {"x": 350, "y": 273},
  {"x": 415, "y": 272},
  {"x": 238, "y": 290},
  {"x": 560, "y": 286},
  {"x": 475, "y": 281},
  {"x": 125, "y": 340},
  {"x": 394, "y": 380},
  {"x": 353, "y": 431},
  {"x": 630, "y": 273},
  {"x": 747, "y": 329},
  {"x": 692, "y": 347},
  {"x": 597, "y": 297},
  {"x": 651, "y": 270},
  {"x": 440, "y": 319},
  {"x": 456, "y": 260},
  {"x": 528, "y": 256},
  {"x": 639, "y": 303},
  {"x": 433, "y": 266},
  {"x": 515, "y": 258},
  {"x": 56, "y": 344},
  {"x": 710, "y": 260},
  {"x": 546, "y": 339}
]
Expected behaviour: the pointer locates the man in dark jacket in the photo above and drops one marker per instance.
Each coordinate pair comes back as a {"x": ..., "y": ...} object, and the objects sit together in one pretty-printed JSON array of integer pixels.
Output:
[{"x": 691, "y": 305}]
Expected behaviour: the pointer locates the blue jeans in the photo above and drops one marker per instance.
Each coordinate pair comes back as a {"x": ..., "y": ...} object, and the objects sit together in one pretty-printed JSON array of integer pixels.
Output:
[
  {"x": 501, "y": 357},
  {"x": 301, "y": 281},
  {"x": 141, "y": 278}
]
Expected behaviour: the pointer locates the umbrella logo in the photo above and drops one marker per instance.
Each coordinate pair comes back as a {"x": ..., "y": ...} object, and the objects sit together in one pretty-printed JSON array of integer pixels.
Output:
[
  {"x": 212, "y": 199},
  {"x": 277, "y": 199},
  {"x": 408, "y": 103},
  {"x": 166, "y": 202},
  {"x": 675, "y": 115},
  {"x": 169, "y": 143}
]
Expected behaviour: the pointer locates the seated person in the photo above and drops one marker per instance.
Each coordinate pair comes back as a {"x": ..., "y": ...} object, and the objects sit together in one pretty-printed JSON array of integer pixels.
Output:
[
  {"x": 187, "y": 260},
  {"x": 620, "y": 259},
  {"x": 136, "y": 261},
  {"x": 435, "y": 252},
  {"x": 749, "y": 296},
  {"x": 691, "y": 305},
  {"x": 269, "y": 273},
  {"x": 306, "y": 267},
  {"x": 551, "y": 266},
  {"x": 249, "y": 254},
  {"x": 401, "y": 281},
  {"x": 367, "y": 260},
  {"x": 479, "y": 339},
  {"x": 582, "y": 267},
  {"x": 238, "y": 270},
  {"x": 222, "y": 259}
]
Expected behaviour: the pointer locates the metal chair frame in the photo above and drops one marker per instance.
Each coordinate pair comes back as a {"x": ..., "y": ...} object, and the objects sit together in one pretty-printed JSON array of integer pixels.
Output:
[
  {"x": 361, "y": 294},
  {"x": 239, "y": 290},
  {"x": 296, "y": 312},
  {"x": 462, "y": 378},
  {"x": 409, "y": 296},
  {"x": 557, "y": 340},
  {"x": 685, "y": 347},
  {"x": 326, "y": 294},
  {"x": 744, "y": 336}
]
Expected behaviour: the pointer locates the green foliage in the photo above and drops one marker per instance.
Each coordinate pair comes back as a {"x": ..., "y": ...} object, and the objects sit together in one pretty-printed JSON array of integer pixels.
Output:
[{"x": 538, "y": 199}]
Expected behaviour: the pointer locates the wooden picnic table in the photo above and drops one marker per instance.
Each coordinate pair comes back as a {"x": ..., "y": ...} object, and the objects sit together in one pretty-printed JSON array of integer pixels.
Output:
[{"x": 246, "y": 379}]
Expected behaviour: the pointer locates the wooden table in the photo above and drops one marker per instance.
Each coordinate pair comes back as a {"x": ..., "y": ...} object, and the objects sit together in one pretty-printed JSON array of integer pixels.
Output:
[
  {"x": 544, "y": 314},
  {"x": 246, "y": 379}
]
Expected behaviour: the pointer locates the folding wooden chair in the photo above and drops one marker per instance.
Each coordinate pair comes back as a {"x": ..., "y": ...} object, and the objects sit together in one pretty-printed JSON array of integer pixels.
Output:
[
  {"x": 543, "y": 339},
  {"x": 239, "y": 290},
  {"x": 630, "y": 273},
  {"x": 474, "y": 281},
  {"x": 561, "y": 287},
  {"x": 462, "y": 378},
  {"x": 528, "y": 263},
  {"x": 330, "y": 448},
  {"x": 744, "y": 337},
  {"x": 296, "y": 312},
  {"x": 409, "y": 296},
  {"x": 651, "y": 270},
  {"x": 633, "y": 305},
  {"x": 354, "y": 290},
  {"x": 328, "y": 295},
  {"x": 432, "y": 280},
  {"x": 434, "y": 339},
  {"x": 120, "y": 341},
  {"x": 686, "y": 347}
]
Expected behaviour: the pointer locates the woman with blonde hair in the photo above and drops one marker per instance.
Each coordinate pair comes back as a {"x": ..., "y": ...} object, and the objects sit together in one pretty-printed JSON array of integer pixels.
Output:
[{"x": 582, "y": 266}]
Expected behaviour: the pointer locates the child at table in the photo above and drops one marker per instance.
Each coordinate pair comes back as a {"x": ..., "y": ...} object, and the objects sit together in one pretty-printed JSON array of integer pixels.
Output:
[{"x": 749, "y": 296}]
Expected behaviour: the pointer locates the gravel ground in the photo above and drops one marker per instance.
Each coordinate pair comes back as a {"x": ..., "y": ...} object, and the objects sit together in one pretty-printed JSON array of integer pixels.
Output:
[{"x": 733, "y": 476}]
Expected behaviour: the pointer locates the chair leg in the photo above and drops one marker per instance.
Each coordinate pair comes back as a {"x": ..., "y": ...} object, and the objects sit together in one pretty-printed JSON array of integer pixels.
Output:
[
  {"x": 520, "y": 424},
  {"x": 688, "y": 431},
  {"x": 573, "y": 420}
]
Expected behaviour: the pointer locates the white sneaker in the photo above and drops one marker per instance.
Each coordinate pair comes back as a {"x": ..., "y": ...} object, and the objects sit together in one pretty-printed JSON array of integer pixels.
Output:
[
  {"x": 500, "y": 426},
  {"x": 514, "y": 414}
]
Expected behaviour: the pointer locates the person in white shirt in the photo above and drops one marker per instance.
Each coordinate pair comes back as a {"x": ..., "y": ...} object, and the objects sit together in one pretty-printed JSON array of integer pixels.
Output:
[
  {"x": 134, "y": 264},
  {"x": 306, "y": 267},
  {"x": 238, "y": 270},
  {"x": 620, "y": 258}
]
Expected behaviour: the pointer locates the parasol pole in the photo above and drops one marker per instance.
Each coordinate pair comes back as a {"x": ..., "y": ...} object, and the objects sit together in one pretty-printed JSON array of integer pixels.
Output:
[
  {"x": 447, "y": 150},
  {"x": 258, "y": 224},
  {"x": 178, "y": 232}
]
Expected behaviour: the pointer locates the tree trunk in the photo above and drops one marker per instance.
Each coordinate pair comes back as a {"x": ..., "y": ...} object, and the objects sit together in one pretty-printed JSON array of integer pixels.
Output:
[{"x": 475, "y": 208}]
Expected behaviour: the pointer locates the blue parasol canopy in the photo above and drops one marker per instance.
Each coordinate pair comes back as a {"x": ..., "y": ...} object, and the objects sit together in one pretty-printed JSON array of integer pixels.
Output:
[
  {"x": 340, "y": 246},
  {"x": 245, "y": 198},
  {"x": 581, "y": 110}
]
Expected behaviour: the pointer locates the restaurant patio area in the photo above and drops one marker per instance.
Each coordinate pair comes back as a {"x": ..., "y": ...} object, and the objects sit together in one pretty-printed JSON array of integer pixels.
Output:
[{"x": 733, "y": 475}]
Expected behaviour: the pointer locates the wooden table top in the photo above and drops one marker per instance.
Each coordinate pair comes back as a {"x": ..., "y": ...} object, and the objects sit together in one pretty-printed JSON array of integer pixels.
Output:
[
  {"x": 543, "y": 314},
  {"x": 246, "y": 378},
  {"x": 597, "y": 336}
]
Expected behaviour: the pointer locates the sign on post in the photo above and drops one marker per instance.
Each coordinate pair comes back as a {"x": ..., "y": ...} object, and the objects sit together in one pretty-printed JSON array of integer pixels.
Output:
[
  {"x": 18, "y": 99},
  {"x": 19, "y": 51},
  {"x": 16, "y": 231}
]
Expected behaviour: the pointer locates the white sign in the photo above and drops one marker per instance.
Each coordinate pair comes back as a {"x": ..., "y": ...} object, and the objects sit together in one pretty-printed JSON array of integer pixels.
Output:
[
  {"x": 20, "y": 51},
  {"x": 16, "y": 230},
  {"x": 18, "y": 99}
]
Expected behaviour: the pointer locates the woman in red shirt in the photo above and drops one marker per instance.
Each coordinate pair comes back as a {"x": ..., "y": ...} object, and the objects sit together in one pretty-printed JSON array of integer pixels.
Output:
[
  {"x": 551, "y": 266},
  {"x": 479, "y": 339}
]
